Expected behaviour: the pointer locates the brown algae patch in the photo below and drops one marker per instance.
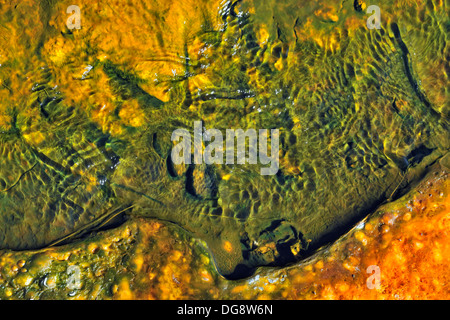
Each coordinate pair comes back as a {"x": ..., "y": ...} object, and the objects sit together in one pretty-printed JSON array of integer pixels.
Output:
[{"x": 140, "y": 260}]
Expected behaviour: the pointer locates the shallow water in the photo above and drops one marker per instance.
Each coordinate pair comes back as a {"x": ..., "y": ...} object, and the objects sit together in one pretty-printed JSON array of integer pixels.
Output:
[{"x": 87, "y": 117}]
